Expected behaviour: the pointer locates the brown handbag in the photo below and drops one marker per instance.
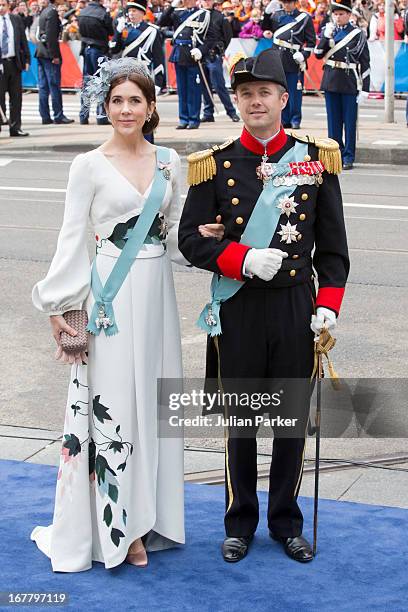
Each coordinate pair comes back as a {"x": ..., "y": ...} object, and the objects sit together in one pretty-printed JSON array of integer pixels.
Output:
[{"x": 78, "y": 320}]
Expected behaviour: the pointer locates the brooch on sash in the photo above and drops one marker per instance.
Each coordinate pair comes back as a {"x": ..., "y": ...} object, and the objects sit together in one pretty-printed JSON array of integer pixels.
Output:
[
  {"x": 165, "y": 168},
  {"x": 102, "y": 320}
]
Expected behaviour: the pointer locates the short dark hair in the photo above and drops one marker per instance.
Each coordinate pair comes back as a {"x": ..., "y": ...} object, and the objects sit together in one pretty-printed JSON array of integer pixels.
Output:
[{"x": 146, "y": 84}]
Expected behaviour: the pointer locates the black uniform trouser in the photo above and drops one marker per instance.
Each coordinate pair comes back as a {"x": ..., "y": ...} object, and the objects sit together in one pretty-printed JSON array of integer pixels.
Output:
[
  {"x": 265, "y": 335},
  {"x": 10, "y": 81}
]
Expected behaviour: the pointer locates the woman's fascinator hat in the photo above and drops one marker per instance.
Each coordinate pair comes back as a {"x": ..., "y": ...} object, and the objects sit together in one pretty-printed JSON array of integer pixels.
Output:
[{"x": 97, "y": 86}]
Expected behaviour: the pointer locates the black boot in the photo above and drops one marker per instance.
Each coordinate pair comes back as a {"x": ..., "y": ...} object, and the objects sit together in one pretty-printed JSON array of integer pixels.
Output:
[
  {"x": 235, "y": 549},
  {"x": 297, "y": 548}
]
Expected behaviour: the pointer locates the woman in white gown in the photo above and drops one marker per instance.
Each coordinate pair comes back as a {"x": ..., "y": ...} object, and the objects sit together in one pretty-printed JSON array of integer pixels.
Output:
[{"x": 120, "y": 487}]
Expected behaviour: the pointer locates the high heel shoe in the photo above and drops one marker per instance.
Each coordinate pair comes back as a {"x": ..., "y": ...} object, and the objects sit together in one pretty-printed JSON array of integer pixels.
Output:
[{"x": 137, "y": 554}]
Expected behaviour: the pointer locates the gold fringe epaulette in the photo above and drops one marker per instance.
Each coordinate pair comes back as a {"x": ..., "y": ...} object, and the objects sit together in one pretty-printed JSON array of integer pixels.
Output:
[
  {"x": 329, "y": 151},
  {"x": 202, "y": 166}
]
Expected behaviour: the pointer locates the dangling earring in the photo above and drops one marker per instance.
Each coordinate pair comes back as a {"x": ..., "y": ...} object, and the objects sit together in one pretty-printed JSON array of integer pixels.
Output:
[{"x": 148, "y": 118}]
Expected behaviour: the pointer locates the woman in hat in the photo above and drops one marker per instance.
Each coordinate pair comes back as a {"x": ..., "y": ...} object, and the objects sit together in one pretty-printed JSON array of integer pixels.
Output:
[{"x": 120, "y": 486}]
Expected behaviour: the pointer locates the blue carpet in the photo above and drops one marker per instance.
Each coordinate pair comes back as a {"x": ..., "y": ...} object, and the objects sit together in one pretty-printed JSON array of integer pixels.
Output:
[{"x": 361, "y": 564}]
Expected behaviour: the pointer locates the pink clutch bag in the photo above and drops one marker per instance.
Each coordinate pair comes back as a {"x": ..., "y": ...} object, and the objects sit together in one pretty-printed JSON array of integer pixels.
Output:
[{"x": 78, "y": 320}]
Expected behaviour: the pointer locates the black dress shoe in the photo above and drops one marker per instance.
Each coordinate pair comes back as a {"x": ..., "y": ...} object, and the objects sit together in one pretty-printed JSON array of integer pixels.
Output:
[
  {"x": 182, "y": 126},
  {"x": 235, "y": 118},
  {"x": 297, "y": 548},
  {"x": 235, "y": 549},
  {"x": 207, "y": 120},
  {"x": 47, "y": 121},
  {"x": 348, "y": 166},
  {"x": 84, "y": 121},
  {"x": 18, "y": 133},
  {"x": 103, "y": 122},
  {"x": 64, "y": 120},
  {"x": 193, "y": 126}
]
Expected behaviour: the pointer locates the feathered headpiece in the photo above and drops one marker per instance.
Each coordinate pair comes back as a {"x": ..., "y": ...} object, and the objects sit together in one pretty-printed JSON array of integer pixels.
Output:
[{"x": 97, "y": 86}]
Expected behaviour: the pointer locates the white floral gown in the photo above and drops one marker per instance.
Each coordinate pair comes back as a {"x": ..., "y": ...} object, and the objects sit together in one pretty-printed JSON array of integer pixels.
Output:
[{"x": 117, "y": 479}]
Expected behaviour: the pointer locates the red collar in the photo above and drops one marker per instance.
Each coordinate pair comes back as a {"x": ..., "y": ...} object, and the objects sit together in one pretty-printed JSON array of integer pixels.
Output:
[{"x": 274, "y": 145}]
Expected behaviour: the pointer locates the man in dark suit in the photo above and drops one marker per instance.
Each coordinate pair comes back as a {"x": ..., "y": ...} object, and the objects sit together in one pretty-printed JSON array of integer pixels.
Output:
[
  {"x": 49, "y": 59},
  {"x": 15, "y": 57}
]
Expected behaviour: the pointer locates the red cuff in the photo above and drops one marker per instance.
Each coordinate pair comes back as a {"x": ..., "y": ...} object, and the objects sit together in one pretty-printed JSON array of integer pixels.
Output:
[
  {"x": 330, "y": 297},
  {"x": 231, "y": 259}
]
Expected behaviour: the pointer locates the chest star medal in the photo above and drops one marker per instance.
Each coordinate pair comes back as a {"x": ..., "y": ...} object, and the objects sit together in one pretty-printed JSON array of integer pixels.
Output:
[
  {"x": 288, "y": 233},
  {"x": 287, "y": 205}
]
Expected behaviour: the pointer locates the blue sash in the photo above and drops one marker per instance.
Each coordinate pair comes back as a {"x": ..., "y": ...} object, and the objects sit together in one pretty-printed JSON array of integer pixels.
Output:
[
  {"x": 258, "y": 234},
  {"x": 102, "y": 313}
]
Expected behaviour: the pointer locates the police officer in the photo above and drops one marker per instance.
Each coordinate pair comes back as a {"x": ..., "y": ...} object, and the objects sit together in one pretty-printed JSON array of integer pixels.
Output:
[
  {"x": 346, "y": 77},
  {"x": 95, "y": 27},
  {"x": 217, "y": 40},
  {"x": 294, "y": 36},
  {"x": 280, "y": 201},
  {"x": 190, "y": 26},
  {"x": 135, "y": 37}
]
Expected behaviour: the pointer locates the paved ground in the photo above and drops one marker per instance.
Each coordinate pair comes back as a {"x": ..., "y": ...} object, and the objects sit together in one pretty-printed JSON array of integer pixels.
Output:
[
  {"x": 378, "y": 142},
  {"x": 372, "y": 338}
]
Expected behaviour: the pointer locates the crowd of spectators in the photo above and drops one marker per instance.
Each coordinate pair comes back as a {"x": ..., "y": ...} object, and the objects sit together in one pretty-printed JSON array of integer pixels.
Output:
[{"x": 245, "y": 16}]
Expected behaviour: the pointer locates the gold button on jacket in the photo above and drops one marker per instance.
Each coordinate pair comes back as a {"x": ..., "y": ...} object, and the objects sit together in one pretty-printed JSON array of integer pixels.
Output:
[
  {"x": 292, "y": 273},
  {"x": 227, "y": 164},
  {"x": 239, "y": 220},
  {"x": 235, "y": 201},
  {"x": 302, "y": 217},
  {"x": 231, "y": 182},
  {"x": 304, "y": 196}
]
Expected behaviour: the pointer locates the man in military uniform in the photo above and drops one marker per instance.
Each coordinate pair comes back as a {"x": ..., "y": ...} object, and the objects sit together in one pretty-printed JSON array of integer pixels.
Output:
[
  {"x": 346, "y": 77},
  {"x": 190, "y": 26},
  {"x": 294, "y": 36},
  {"x": 217, "y": 40},
  {"x": 137, "y": 38},
  {"x": 280, "y": 201},
  {"x": 95, "y": 27}
]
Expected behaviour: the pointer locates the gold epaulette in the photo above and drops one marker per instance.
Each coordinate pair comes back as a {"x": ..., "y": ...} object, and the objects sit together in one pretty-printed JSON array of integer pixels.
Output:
[
  {"x": 202, "y": 166},
  {"x": 329, "y": 151}
]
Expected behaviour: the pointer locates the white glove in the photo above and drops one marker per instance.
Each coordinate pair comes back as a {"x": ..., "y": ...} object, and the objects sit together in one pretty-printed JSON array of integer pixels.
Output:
[
  {"x": 298, "y": 57},
  {"x": 329, "y": 29},
  {"x": 323, "y": 318},
  {"x": 175, "y": 3},
  {"x": 263, "y": 263},
  {"x": 121, "y": 24},
  {"x": 196, "y": 54},
  {"x": 362, "y": 97}
]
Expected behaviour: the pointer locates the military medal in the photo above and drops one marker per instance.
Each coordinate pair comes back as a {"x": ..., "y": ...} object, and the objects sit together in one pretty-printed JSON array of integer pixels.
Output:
[
  {"x": 265, "y": 170},
  {"x": 287, "y": 205},
  {"x": 288, "y": 233},
  {"x": 210, "y": 318}
]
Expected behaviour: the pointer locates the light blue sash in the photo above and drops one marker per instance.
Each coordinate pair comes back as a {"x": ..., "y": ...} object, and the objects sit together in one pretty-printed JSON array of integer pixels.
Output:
[
  {"x": 257, "y": 234},
  {"x": 102, "y": 313}
]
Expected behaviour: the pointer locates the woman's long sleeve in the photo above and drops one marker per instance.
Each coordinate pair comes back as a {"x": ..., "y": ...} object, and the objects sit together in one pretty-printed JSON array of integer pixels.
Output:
[
  {"x": 67, "y": 283},
  {"x": 173, "y": 212}
]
